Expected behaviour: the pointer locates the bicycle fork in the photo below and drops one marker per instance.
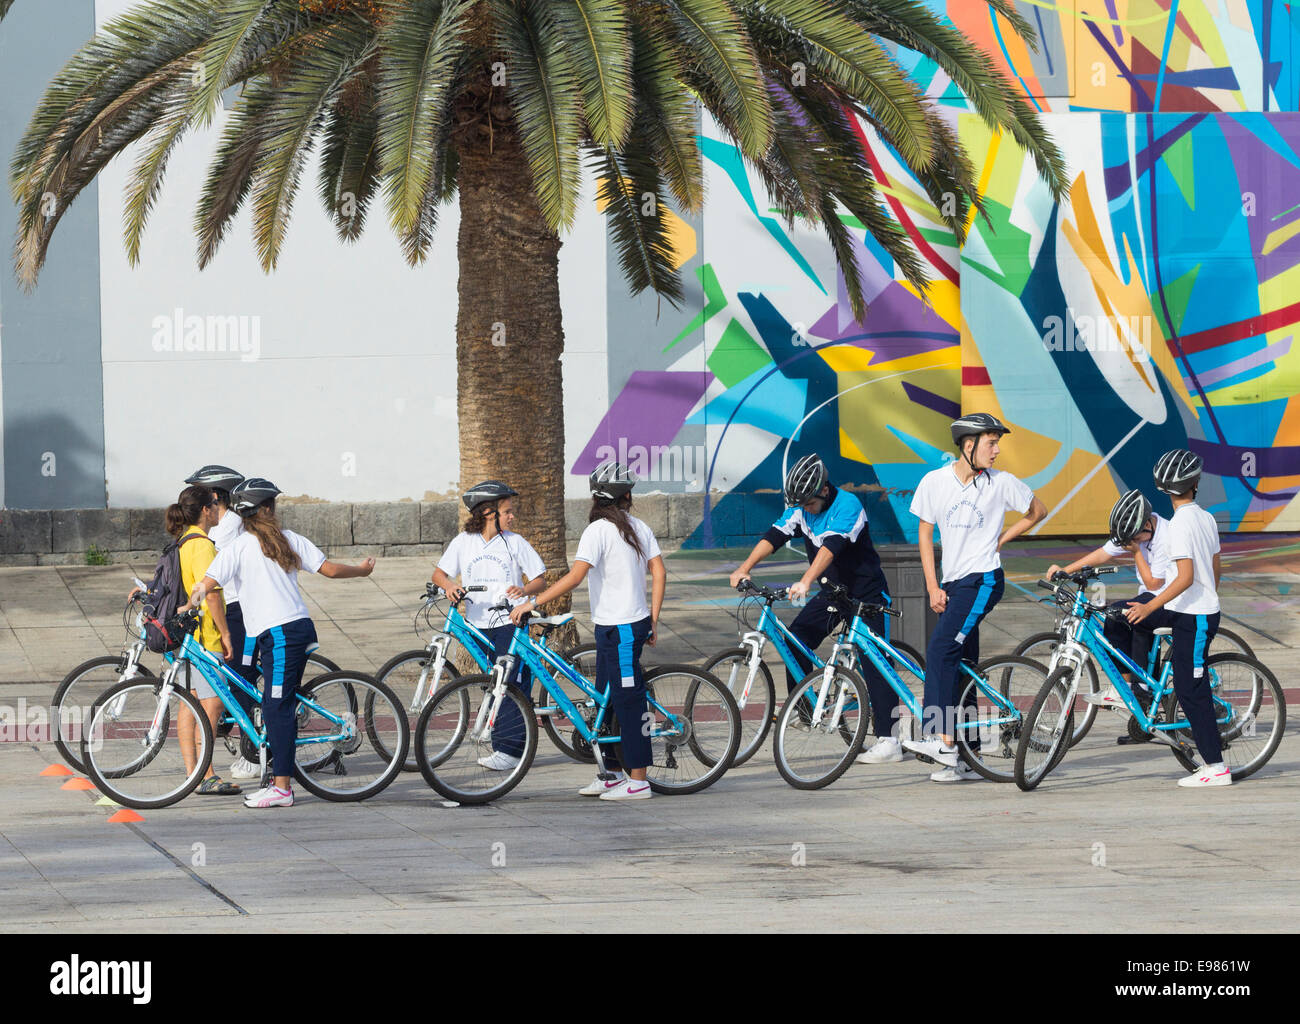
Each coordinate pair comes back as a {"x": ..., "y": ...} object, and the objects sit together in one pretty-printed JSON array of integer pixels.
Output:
[{"x": 823, "y": 692}]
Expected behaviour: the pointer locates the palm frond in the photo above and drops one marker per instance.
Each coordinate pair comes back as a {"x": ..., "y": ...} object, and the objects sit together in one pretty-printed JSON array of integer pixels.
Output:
[
  {"x": 599, "y": 42},
  {"x": 669, "y": 117},
  {"x": 349, "y": 174},
  {"x": 544, "y": 93},
  {"x": 629, "y": 183}
]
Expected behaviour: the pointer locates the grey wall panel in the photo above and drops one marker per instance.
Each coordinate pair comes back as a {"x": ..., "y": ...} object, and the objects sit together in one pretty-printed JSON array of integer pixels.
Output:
[{"x": 50, "y": 357}]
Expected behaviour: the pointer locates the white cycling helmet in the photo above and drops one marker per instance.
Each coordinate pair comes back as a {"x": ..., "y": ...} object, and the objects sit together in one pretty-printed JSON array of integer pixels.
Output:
[{"x": 611, "y": 480}]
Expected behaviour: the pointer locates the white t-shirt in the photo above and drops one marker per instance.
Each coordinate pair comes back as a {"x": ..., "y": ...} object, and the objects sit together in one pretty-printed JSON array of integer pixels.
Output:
[
  {"x": 1156, "y": 553},
  {"x": 269, "y": 596},
  {"x": 617, "y": 576},
  {"x": 497, "y": 564},
  {"x": 1194, "y": 534},
  {"x": 223, "y": 535},
  {"x": 969, "y": 517}
]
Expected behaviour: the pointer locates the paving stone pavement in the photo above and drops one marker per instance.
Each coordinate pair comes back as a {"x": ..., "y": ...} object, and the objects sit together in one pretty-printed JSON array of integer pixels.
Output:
[{"x": 1107, "y": 843}]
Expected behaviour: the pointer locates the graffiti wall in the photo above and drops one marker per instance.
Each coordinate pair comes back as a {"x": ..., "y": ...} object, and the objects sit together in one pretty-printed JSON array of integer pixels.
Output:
[{"x": 1156, "y": 308}]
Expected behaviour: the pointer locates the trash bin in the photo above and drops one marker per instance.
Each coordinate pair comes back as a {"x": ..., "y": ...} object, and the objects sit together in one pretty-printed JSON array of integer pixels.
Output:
[{"x": 902, "y": 567}]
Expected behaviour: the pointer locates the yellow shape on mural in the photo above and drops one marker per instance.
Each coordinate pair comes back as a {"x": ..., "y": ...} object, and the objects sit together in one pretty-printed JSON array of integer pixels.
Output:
[
  {"x": 872, "y": 402},
  {"x": 943, "y": 295}
]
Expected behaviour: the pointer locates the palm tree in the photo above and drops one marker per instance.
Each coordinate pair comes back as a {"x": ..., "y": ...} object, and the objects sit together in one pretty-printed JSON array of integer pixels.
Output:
[{"x": 498, "y": 103}]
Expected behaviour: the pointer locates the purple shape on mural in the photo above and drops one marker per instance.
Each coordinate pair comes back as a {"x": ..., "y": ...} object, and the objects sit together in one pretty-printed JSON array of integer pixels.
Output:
[
  {"x": 897, "y": 325},
  {"x": 650, "y": 410},
  {"x": 928, "y": 399}
]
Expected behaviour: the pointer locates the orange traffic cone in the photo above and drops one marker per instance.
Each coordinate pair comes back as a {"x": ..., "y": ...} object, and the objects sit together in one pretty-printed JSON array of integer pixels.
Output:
[
  {"x": 78, "y": 784},
  {"x": 57, "y": 769},
  {"x": 123, "y": 816}
]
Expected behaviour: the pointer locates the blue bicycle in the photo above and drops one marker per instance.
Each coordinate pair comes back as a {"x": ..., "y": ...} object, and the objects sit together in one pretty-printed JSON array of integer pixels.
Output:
[
  {"x": 1250, "y": 707},
  {"x": 352, "y": 734},
  {"x": 823, "y": 723},
  {"x": 691, "y": 720},
  {"x": 416, "y": 674},
  {"x": 748, "y": 677}
]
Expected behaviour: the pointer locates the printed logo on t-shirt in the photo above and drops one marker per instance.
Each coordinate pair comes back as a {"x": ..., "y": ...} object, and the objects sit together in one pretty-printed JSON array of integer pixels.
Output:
[
  {"x": 964, "y": 516},
  {"x": 476, "y": 570}
]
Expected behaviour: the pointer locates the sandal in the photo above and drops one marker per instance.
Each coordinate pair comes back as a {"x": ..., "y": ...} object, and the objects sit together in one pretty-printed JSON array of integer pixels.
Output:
[{"x": 215, "y": 785}]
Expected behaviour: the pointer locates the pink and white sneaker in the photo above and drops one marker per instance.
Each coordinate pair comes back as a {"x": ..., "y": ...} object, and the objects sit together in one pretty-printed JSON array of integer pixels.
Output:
[
  {"x": 599, "y": 786},
  {"x": 271, "y": 796},
  {"x": 1211, "y": 775},
  {"x": 628, "y": 789}
]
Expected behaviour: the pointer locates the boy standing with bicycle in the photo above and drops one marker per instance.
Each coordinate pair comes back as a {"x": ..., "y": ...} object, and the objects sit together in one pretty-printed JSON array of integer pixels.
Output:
[
  {"x": 837, "y": 539},
  {"x": 1189, "y": 605},
  {"x": 968, "y": 499}
]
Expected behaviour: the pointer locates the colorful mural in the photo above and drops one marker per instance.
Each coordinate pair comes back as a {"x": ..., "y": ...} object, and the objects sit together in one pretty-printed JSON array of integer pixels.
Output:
[{"x": 1157, "y": 308}]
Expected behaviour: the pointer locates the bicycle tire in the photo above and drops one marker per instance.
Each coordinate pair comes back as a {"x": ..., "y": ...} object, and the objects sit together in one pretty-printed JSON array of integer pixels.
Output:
[
  {"x": 80, "y": 688},
  {"x": 1046, "y": 731},
  {"x": 111, "y": 750},
  {"x": 801, "y": 764},
  {"x": 401, "y": 674},
  {"x": 1018, "y": 681},
  {"x": 909, "y": 650},
  {"x": 1258, "y": 696},
  {"x": 1085, "y": 713},
  {"x": 710, "y": 732},
  {"x": 753, "y": 730},
  {"x": 574, "y": 745},
  {"x": 372, "y": 751},
  {"x": 447, "y": 746}
]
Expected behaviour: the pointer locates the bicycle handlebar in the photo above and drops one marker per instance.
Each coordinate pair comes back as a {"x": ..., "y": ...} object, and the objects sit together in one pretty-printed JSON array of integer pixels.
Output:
[
  {"x": 758, "y": 590},
  {"x": 837, "y": 590}
]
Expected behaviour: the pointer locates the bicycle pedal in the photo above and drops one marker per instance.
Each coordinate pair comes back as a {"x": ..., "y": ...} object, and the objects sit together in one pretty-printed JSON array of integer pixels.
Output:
[{"x": 924, "y": 758}]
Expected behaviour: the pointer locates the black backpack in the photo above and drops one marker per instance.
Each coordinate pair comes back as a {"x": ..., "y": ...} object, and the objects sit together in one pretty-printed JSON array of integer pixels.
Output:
[{"x": 162, "y": 632}]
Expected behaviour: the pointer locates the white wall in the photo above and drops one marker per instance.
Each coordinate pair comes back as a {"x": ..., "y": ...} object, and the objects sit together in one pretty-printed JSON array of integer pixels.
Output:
[{"x": 356, "y": 369}]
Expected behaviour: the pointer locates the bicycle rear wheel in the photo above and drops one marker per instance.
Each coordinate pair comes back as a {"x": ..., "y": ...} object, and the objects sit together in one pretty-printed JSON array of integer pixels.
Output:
[
  {"x": 452, "y": 735},
  {"x": 992, "y": 710},
  {"x": 1251, "y": 711},
  {"x": 410, "y": 675},
  {"x": 732, "y": 668},
  {"x": 356, "y": 736},
  {"x": 810, "y": 752},
  {"x": 563, "y": 733},
  {"x": 131, "y": 749},
  {"x": 1047, "y": 730},
  {"x": 76, "y": 695},
  {"x": 694, "y": 728},
  {"x": 1040, "y": 648}
]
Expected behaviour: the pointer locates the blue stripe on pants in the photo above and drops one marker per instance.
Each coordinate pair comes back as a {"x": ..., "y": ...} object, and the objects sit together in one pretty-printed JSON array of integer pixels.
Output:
[
  {"x": 626, "y": 670},
  {"x": 979, "y": 609}
]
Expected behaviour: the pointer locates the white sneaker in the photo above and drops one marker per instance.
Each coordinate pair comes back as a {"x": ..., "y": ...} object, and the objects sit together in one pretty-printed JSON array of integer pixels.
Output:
[
  {"x": 499, "y": 762},
  {"x": 1211, "y": 775},
  {"x": 270, "y": 797},
  {"x": 1107, "y": 698},
  {"x": 933, "y": 748},
  {"x": 599, "y": 786},
  {"x": 961, "y": 773},
  {"x": 242, "y": 768},
  {"x": 885, "y": 750},
  {"x": 628, "y": 789}
]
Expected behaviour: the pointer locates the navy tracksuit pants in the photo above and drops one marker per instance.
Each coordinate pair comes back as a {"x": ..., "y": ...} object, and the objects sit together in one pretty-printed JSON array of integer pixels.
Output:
[
  {"x": 619, "y": 672},
  {"x": 956, "y": 639},
  {"x": 282, "y": 652},
  {"x": 1192, "y": 637},
  {"x": 509, "y": 733},
  {"x": 813, "y": 625}
]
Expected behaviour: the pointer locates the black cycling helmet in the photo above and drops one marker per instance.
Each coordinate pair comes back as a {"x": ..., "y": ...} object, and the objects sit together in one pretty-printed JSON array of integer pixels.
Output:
[
  {"x": 611, "y": 480},
  {"x": 976, "y": 423},
  {"x": 1177, "y": 472},
  {"x": 805, "y": 480},
  {"x": 219, "y": 478},
  {"x": 1129, "y": 516},
  {"x": 251, "y": 495},
  {"x": 488, "y": 490}
]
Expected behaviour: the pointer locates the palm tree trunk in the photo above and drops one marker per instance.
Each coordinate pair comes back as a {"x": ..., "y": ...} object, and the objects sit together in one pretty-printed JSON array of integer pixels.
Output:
[{"x": 509, "y": 338}]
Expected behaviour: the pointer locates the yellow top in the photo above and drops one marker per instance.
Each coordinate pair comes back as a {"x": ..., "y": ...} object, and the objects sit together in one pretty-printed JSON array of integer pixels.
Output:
[{"x": 196, "y": 556}]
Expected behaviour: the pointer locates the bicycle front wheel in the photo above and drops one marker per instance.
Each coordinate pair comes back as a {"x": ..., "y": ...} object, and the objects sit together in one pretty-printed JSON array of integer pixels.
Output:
[
  {"x": 411, "y": 676},
  {"x": 991, "y": 712},
  {"x": 563, "y": 733},
  {"x": 76, "y": 695},
  {"x": 758, "y": 707},
  {"x": 1040, "y": 647},
  {"x": 352, "y": 736},
  {"x": 131, "y": 747},
  {"x": 1048, "y": 727},
  {"x": 813, "y": 750},
  {"x": 453, "y": 737}
]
